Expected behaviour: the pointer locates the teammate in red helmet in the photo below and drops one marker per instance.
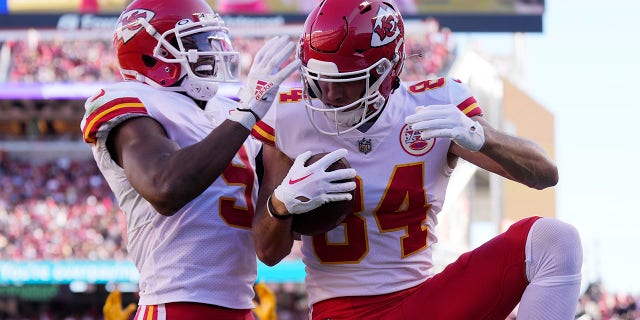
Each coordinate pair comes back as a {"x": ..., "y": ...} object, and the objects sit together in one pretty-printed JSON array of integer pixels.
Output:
[
  {"x": 177, "y": 157},
  {"x": 404, "y": 140}
]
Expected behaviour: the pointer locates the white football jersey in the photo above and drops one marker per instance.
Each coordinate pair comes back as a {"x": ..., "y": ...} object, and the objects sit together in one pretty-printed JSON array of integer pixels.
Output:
[
  {"x": 386, "y": 245},
  {"x": 204, "y": 252}
]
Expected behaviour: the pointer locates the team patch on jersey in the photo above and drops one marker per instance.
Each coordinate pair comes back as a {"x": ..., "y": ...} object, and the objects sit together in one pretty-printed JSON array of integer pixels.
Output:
[
  {"x": 109, "y": 111},
  {"x": 294, "y": 95},
  {"x": 413, "y": 144}
]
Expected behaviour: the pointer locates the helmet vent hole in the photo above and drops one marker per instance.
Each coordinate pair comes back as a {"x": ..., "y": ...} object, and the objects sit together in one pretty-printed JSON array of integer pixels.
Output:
[{"x": 149, "y": 61}]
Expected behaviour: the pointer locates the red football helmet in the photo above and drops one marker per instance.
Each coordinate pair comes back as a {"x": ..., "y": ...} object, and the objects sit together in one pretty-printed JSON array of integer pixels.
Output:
[
  {"x": 176, "y": 45},
  {"x": 351, "y": 40}
]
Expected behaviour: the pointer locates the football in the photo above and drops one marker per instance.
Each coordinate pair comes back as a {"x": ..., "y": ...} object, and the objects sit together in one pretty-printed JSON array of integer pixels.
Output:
[{"x": 327, "y": 216}]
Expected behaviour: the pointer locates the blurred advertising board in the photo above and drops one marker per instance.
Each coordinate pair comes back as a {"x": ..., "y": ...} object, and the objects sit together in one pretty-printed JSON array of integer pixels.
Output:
[
  {"x": 111, "y": 271},
  {"x": 457, "y": 15}
]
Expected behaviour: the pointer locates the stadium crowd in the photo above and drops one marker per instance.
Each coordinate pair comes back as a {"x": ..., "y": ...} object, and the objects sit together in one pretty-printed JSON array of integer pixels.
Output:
[
  {"x": 36, "y": 60},
  {"x": 596, "y": 303},
  {"x": 56, "y": 210},
  {"x": 56, "y": 60}
]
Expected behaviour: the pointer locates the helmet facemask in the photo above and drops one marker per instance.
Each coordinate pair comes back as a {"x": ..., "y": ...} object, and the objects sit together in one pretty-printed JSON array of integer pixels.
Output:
[
  {"x": 204, "y": 52},
  {"x": 349, "y": 117}
]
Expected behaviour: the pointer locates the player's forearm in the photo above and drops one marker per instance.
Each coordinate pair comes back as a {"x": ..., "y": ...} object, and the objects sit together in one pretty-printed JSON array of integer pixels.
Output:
[
  {"x": 521, "y": 160},
  {"x": 273, "y": 238},
  {"x": 186, "y": 173}
]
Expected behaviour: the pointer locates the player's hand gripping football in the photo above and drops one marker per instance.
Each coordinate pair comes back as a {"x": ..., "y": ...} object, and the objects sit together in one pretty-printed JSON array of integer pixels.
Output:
[
  {"x": 308, "y": 187},
  {"x": 446, "y": 120},
  {"x": 264, "y": 78},
  {"x": 112, "y": 309}
]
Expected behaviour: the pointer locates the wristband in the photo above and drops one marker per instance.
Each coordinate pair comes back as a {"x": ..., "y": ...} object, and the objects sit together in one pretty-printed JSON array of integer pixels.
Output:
[
  {"x": 246, "y": 118},
  {"x": 277, "y": 216},
  {"x": 255, "y": 115}
]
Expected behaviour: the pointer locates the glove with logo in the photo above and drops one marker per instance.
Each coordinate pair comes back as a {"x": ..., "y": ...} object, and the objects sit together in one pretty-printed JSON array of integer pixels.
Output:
[
  {"x": 446, "y": 120},
  {"x": 306, "y": 188},
  {"x": 264, "y": 78}
]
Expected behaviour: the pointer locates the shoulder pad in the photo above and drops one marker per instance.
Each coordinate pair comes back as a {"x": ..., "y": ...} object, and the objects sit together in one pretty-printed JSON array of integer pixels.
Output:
[{"x": 106, "y": 109}]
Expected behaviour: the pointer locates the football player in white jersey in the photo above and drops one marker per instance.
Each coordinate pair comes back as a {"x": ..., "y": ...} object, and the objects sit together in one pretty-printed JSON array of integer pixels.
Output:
[
  {"x": 403, "y": 140},
  {"x": 178, "y": 159}
]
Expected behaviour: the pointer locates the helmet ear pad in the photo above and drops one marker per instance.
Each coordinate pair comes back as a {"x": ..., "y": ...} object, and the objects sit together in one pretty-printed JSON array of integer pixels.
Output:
[
  {"x": 165, "y": 74},
  {"x": 149, "y": 61}
]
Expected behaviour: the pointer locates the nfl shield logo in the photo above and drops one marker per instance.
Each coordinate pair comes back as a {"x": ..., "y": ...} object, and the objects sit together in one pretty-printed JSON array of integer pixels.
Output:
[{"x": 364, "y": 145}]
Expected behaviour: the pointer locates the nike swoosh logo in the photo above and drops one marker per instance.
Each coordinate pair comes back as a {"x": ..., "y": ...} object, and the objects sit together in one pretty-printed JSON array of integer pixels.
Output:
[{"x": 294, "y": 181}]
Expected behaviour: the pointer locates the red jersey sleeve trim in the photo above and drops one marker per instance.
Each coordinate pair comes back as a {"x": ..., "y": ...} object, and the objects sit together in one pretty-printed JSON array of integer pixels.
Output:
[
  {"x": 470, "y": 107},
  {"x": 109, "y": 111},
  {"x": 264, "y": 133}
]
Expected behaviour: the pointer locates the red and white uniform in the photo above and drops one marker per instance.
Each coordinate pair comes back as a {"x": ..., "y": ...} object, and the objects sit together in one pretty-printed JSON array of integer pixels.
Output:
[
  {"x": 203, "y": 253},
  {"x": 386, "y": 246}
]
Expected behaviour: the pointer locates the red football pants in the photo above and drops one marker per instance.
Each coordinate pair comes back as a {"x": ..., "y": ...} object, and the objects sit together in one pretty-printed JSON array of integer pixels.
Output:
[
  {"x": 190, "y": 311},
  {"x": 485, "y": 283}
]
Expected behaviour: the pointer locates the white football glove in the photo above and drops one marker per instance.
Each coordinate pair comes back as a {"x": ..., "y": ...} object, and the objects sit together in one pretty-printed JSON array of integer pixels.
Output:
[
  {"x": 446, "y": 120},
  {"x": 264, "y": 78},
  {"x": 306, "y": 188}
]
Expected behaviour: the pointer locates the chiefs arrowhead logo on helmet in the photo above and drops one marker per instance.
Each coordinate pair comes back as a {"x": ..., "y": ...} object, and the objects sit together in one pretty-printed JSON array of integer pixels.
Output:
[
  {"x": 385, "y": 27},
  {"x": 128, "y": 24}
]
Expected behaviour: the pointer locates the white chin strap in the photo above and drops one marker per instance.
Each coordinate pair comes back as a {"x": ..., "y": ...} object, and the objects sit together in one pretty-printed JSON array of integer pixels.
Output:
[
  {"x": 200, "y": 90},
  {"x": 348, "y": 118}
]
